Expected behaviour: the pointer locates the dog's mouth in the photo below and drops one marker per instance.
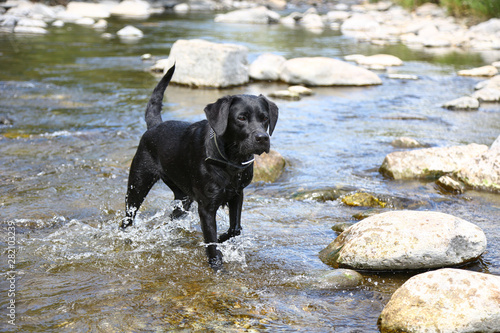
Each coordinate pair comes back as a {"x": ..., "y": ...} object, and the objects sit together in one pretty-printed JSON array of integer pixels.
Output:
[{"x": 261, "y": 150}]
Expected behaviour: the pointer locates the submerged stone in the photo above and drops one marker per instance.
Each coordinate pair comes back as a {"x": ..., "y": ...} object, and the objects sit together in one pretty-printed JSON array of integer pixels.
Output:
[
  {"x": 322, "y": 195},
  {"x": 363, "y": 199},
  {"x": 337, "y": 279},
  {"x": 406, "y": 240}
]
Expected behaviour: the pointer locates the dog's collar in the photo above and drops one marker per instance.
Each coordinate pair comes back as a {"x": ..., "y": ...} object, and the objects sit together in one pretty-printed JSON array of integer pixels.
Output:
[{"x": 224, "y": 161}]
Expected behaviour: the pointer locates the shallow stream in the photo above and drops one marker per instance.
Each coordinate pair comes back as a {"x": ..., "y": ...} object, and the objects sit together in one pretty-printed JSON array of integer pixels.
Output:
[{"x": 77, "y": 101}]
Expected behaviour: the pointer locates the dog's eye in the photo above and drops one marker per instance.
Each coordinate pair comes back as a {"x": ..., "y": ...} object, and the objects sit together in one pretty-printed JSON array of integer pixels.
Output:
[
  {"x": 265, "y": 118},
  {"x": 242, "y": 118}
]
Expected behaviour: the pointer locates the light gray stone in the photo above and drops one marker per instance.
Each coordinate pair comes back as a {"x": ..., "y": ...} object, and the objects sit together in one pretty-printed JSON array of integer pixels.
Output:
[
  {"x": 489, "y": 27},
  {"x": 397, "y": 76},
  {"x": 490, "y": 95},
  {"x": 360, "y": 22},
  {"x": 30, "y": 30},
  {"x": 85, "y": 21},
  {"x": 337, "y": 15},
  {"x": 130, "y": 32},
  {"x": 462, "y": 103},
  {"x": 301, "y": 90},
  {"x": 496, "y": 144},
  {"x": 285, "y": 94},
  {"x": 132, "y": 8},
  {"x": 202, "y": 63},
  {"x": 449, "y": 184},
  {"x": 429, "y": 163},
  {"x": 494, "y": 83},
  {"x": 446, "y": 300},
  {"x": 405, "y": 142},
  {"x": 257, "y": 15},
  {"x": 335, "y": 279},
  {"x": 479, "y": 71},
  {"x": 27, "y": 22},
  {"x": 402, "y": 240},
  {"x": 322, "y": 71},
  {"x": 312, "y": 21},
  {"x": 383, "y": 60},
  {"x": 482, "y": 172},
  {"x": 266, "y": 67},
  {"x": 88, "y": 9}
]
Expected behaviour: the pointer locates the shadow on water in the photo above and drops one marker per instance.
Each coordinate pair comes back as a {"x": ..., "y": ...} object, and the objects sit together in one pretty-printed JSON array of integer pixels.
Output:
[{"x": 76, "y": 101}]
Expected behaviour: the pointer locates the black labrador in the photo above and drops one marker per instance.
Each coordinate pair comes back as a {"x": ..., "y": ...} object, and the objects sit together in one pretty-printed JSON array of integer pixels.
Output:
[{"x": 210, "y": 161}]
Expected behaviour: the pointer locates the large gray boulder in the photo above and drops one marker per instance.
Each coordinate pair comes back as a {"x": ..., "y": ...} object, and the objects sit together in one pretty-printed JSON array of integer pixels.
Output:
[
  {"x": 138, "y": 9},
  {"x": 483, "y": 171},
  {"x": 88, "y": 9},
  {"x": 257, "y": 15},
  {"x": 404, "y": 240},
  {"x": 360, "y": 22},
  {"x": 322, "y": 71},
  {"x": 205, "y": 64},
  {"x": 429, "y": 163},
  {"x": 446, "y": 300}
]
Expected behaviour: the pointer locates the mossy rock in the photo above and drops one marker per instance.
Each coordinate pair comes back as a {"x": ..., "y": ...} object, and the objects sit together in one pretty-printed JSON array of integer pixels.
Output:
[
  {"x": 268, "y": 167},
  {"x": 362, "y": 199}
]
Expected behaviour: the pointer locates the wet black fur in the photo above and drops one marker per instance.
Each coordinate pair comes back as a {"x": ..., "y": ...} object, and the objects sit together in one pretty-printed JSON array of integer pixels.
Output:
[{"x": 206, "y": 161}]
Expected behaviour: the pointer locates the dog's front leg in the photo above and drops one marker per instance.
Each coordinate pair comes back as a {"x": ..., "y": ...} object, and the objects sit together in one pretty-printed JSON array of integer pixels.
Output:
[
  {"x": 235, "y": 206},
  {"x": 209, "y": 228}
]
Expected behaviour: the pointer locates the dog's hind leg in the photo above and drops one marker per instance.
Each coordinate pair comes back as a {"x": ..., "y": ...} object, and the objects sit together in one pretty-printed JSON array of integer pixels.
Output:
[
  {"x": 185, "y": 200},
  {"x": 140, "y": 182}
]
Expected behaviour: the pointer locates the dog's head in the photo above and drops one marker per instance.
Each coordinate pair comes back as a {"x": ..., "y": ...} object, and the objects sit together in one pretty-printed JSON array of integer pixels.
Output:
[{"x": 243, "y": 121}]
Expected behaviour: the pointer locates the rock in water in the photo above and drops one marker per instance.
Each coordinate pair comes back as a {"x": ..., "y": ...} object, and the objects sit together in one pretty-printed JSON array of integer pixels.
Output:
[
  {"x": 201, "y": 63},
  {"x": 405, "y": 240},
  {"x": 446, "y": 300},
  {"x": 266, "y": 67},
  {"x": 429, "y": 163},
  {"x": 268, "y": 167},
  {"x": 322, "y": 71}
]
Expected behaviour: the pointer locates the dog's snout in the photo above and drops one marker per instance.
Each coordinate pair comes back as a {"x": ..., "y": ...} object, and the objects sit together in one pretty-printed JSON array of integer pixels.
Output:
[{"x": 261, "y": 137}]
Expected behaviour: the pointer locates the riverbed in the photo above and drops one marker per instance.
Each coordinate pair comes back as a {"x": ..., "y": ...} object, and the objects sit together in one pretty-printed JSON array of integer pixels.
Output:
[{"x": 76, "y": 103}]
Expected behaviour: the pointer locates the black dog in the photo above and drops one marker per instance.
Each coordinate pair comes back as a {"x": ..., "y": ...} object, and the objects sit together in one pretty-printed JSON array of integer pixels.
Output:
[{"x": 210, "y": 162}]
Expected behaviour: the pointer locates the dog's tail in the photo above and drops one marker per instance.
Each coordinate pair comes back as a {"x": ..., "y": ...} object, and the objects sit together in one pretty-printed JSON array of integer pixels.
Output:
[{"x": 153, "y": 110}]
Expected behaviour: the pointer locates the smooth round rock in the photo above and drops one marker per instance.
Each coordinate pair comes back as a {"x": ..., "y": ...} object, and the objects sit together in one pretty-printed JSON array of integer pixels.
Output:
[
  {"x": 406, "y": 240},
  {"x": 446, "y": 300}
]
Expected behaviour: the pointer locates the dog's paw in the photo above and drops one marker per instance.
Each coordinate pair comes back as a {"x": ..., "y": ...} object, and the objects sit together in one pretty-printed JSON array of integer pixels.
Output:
[
  {"x": 126, "y": 222},
  {"x": 216, "y": 262},
  {"x": 177, "y": 213},
  {"x": 229, "y": 234}
]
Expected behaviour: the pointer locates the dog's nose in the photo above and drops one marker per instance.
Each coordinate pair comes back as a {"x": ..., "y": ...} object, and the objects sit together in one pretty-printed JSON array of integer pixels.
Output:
[{"x": 261, "y": 137}]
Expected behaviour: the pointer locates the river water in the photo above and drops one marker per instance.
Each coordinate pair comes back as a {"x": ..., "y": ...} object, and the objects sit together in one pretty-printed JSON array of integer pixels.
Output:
[{"x": 77, "y": 101}]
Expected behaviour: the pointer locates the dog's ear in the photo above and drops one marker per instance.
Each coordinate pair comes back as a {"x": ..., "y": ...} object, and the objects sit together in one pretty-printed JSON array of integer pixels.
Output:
[
  {"x": 273, "y": 114},
  {"x": 217, "y": 114}
]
